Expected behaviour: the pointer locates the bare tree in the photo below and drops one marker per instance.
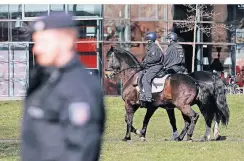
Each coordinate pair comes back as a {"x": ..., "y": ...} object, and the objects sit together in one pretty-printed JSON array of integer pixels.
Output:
[{"x": 197, "y": 13}]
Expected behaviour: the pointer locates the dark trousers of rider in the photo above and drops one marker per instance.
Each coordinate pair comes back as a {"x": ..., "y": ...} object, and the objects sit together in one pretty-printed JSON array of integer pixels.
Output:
[{"x": 147, "y": 78}]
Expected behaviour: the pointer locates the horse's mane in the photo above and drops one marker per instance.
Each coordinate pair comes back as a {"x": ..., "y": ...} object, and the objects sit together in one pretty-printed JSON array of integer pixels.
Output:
[{"x": 127, "y": 54}]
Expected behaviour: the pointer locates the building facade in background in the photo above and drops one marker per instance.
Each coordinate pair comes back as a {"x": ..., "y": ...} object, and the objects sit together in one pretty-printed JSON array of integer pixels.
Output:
[
  {"x": 224, "y": 43},
  {"x": 101, "y": 26},
  {"x": 16, "y": 57}
]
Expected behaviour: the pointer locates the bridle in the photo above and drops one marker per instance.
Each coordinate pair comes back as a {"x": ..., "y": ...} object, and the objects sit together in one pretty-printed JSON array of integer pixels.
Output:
[
  {"x": 109, "y": 76},
  {"x": 120, "y": 71}
]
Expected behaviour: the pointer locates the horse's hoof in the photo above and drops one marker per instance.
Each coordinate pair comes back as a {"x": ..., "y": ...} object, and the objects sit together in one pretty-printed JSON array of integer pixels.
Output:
[
  {"x": 189, "y": 140},
  {"x": 126, "y": 139},
  {"x": 171, "y": 139},
  {"x": 138, "y": 132},
  {"x": 220, "y": 138},
  {"x": 216, "y": 135},
  {"x": 204, "y": 138},
  {"x": 178, "y": 139},
  {"x": 143, "y": 139}
]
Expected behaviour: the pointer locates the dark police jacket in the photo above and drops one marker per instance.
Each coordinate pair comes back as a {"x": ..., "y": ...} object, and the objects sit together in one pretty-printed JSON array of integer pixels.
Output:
[
  {"x": 63, "y": 117},
  {"x": 174, "y": 55},
  {"x": 154, "y": 55}
]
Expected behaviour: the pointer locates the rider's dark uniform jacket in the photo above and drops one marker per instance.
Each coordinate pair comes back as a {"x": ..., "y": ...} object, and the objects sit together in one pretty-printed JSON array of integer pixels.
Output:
[
  {"x": 174, "y": 55},
  {"x": 154, "y": 55},
  {"x": 64, "y": 115}
]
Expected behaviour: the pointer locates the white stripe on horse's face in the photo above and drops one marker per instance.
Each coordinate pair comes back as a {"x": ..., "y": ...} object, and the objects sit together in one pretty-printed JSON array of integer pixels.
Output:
[
  {"x": 113, "y": 65},
  {"x": 110, "y": 61}
]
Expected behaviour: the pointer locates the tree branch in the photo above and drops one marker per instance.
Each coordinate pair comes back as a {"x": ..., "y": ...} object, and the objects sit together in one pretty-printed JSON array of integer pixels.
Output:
[{"x": 205, "y": 14}]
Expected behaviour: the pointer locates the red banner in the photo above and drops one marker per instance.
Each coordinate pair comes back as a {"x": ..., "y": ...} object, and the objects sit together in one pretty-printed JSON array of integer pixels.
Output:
[{"x": 88, "y": 52}]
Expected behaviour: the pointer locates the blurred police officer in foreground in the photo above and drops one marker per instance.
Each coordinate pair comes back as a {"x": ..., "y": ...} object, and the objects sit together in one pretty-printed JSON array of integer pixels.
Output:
[{"x": 64, "y": 114}]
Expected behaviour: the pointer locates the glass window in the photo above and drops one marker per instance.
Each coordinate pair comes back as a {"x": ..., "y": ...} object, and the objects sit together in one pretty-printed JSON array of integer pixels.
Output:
[
  {"x": 180, "y": 12},
  {"x": 165, "y": 11},
  {"x": 4, "y": 70},
  {"x": 116, "y": 30},
  {"x": 139, "y": 28},
  {"x": 87, "y": 29},
  {"x": 239, "y": 12},
  {"x": 148, "y": 11},
  {"x": 4, "y": 31},
  {"x": 93, "y": 72},
  {"x": 12, "y": 11},
  {"x": 85, "y": 10},
  {"x": 159, "y": 11},
  {"x": 114, "y": 11},
  {"x": 57, "y": 8},
  {"x": 15, "y": 11},
  {"x": 134, "y": 11},
  {"x": 3, "y": 11},
  {"x": 19, "y": 68},
  {"x": 13, "y": 69},
  {"x": 21, "y": 30},
  {"x": 36, "y": 10}
]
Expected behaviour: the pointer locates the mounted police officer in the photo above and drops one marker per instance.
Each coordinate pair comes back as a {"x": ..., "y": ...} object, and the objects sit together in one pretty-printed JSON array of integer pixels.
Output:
[
  {"x": 64, "y": 116},
  {"x": 174, "y": 60},
  {"x": 151, "y": 65}
]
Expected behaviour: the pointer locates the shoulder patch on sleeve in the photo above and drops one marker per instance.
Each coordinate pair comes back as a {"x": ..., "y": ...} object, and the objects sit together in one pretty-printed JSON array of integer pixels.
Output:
[{"x": 79, "y": 113}]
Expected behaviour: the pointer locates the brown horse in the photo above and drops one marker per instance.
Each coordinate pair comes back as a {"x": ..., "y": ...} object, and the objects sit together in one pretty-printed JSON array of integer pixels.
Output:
[{"x": 175, "y": 90}]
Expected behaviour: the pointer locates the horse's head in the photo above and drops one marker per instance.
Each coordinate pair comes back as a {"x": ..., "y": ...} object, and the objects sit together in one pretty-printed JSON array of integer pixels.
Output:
[
  {"x": 119, "y": 59},
  {"x": 113, "y": 63}
]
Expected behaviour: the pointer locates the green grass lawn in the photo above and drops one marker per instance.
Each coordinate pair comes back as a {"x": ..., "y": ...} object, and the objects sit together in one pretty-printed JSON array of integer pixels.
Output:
[{"x": 155, "y": 148}]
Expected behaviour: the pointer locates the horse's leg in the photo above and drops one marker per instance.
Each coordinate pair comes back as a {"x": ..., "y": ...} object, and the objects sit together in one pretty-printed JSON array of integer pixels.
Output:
[
  {"x": 208, "y": 114},
  {"x": 187, "y": 122},
  {"x": 130, "y": 110},
  {"x": 216, "y": 133},
  {"x": 188, "y": 111},
  {"x": 149, "y": 113},
  {"x": 133, "y": 129},
  {"x": 171, "y": 115},
  {"x": 208, "y": 121}
]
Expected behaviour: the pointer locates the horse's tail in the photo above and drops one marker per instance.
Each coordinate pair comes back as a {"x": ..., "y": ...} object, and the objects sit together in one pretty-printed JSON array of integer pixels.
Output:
[{"x": 223, "y": 111}]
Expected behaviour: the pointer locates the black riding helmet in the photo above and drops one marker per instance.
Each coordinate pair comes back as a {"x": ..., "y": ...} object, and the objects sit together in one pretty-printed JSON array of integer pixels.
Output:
[
  {"x": 151, "y": 36},
  {"x": 172, "y": 36}
]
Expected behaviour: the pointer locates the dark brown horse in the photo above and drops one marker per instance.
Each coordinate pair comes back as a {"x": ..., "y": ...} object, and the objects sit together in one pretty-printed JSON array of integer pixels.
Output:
[{"x": 175, "y": 90}]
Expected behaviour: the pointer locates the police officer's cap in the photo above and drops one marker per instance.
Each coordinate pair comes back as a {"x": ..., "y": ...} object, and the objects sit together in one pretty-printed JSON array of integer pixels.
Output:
[{"x": 54, "y": 21}]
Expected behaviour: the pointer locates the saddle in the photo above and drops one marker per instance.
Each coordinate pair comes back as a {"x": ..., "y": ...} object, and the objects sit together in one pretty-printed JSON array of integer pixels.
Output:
[{"x": 158, "y": 83}]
